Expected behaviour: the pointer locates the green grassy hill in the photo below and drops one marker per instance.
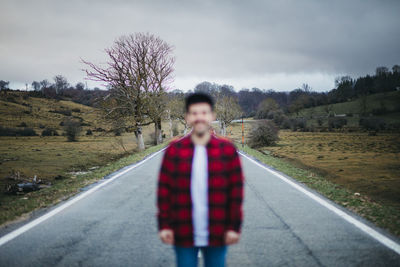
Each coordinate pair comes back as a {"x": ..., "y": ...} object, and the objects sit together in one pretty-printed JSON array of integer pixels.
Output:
[
  {"x": 385, "y": 106},
  {"x": 38, "y": 113}
]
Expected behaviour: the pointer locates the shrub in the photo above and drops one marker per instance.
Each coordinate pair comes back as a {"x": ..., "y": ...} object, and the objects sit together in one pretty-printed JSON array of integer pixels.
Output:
[
  {"x": 336, "y": 123},
  {"x": 65, "y": 112},
  {"x": 264, "y": 133},
  {"x": 375, "y": 124},
  {"x": 49, "y": 132},
  {"x": 285, "y": 123},
  {"x": 76, "y": 110},
  {"x": 298, "y": 124},
  {"x": 27, "y": 132},
  {"x": 22, "y": 124},
  {"x": 380, "y": 111},
  {"x": 99, "y": 129},
  {"x": 118, "y": 131},
  {"x": 89, "y": 132},
  {"x": 72, "y": 129},
  {"x": 175, "y": 130},
  {"x": 279, "y": 117},
  {"x": 6, "y": 131},
  {"x": 11, "y": 98}
]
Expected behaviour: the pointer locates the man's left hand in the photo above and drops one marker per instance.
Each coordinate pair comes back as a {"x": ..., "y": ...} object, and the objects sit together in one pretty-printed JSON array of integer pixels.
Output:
[{"x": 231, "y": 237}]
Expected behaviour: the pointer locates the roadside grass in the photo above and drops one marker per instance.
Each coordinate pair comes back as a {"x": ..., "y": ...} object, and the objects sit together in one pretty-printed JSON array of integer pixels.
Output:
[
  {"x": 14, "y": 208},
  {"x": 384, "y": 216}
]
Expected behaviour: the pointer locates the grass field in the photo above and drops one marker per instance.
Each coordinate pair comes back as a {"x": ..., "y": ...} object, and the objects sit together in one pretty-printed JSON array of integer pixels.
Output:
[
  {"x": 67, "y": 166},
  {"x": 358, "y": 171}
]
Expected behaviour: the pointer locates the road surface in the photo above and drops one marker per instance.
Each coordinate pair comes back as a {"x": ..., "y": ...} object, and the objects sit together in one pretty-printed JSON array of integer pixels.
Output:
[{"x": 113, "y": 223}]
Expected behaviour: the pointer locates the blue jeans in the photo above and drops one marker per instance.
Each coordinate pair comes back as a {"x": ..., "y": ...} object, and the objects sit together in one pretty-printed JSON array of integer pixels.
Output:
[{"x": 213, "y": 256}]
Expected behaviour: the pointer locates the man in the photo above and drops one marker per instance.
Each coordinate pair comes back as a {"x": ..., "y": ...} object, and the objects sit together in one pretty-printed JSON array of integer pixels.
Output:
[{"x": 200, "y": 190}]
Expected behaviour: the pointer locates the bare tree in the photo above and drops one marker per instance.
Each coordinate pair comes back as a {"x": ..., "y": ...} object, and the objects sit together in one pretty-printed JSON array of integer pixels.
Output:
[
  {"x": 137, "y": 72},
  {"x": 265, "y": 107},
  {"x": 4, "y": 85},
  {"x": 60, "y": 83},
  {"x": 36, "y": 85},
  {"x": 176, "y": 107},
  {"x": 227, "y": 110},
  {"x": 44, "y": 84},
  {"x": 160, "y": 67},
  {"x": 306, "y": 88}
]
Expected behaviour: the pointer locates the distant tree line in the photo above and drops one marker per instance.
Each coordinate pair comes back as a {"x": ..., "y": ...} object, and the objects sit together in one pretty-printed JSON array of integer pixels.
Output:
[
  {"x": 249, "y": 100},
  {"x": 384, "y": 80},
  {"x": 60, "y": 88}
]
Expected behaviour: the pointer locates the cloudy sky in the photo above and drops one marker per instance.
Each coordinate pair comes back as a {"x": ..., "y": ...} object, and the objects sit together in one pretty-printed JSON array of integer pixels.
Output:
[{"x": 266, "y": 44}]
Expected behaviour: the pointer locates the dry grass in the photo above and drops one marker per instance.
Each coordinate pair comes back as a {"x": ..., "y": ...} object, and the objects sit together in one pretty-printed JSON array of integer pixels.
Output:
[
  {"x": 358, "y": 171},
  {"x": 52, "y": 156},
  {"x": 366, "y": 164}
]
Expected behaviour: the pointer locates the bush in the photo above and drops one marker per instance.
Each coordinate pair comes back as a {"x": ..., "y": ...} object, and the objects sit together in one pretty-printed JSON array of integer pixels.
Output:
[
  {"x": 310, "y": 128},
  {"x": 89, "y": 132},
  {"x": 76, "y": 110},
  {"x": 278, "y": 117},
  {"x": 265, "y": 133},
  {"x": 118, "y": 131},
  {"x": 285, "y": 123},
  {"x": 65, "y": 112},
  {"x": 28, "y": 132},
  {"x": 298, "y": 124},
  {"x": 336, "y": 123},
  {"x": 11, "y": 98},
  {"x": 375, "y": 124},
  {"x": 6, "y": 131},
  {"x": 41, "y": 126},
  {"x": 175, "y": 130},
  {"x": 49, "y": 132},
  {"x": 22, "y": 124},
  {"x": 380, "y": 111},
  {"x": 99, "y": 129},
  {"x": 72, "y": 129}
]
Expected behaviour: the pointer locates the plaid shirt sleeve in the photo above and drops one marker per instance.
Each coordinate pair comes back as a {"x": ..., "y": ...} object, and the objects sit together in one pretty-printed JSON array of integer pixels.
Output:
[
  {"x": 164, "y": 191},
  {"x": 236, "y": 193}
]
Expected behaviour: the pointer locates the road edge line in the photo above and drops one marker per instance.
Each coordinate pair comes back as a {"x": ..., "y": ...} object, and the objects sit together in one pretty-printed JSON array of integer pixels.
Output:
[
  {"x": 9, "y": 236},
  {"x": 360, "y": 225}
]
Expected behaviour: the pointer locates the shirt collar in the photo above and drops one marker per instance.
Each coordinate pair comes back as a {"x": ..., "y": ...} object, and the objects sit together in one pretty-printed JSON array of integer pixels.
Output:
[{"x": 190, "y": 142}]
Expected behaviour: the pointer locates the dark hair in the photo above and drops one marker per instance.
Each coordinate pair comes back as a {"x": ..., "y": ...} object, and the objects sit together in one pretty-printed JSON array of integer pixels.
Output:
[{"x": 198, "y": 97}]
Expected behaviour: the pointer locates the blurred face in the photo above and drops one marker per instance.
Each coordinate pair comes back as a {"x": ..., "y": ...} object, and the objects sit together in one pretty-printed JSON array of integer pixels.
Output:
[{"x": 200, "y": 116}]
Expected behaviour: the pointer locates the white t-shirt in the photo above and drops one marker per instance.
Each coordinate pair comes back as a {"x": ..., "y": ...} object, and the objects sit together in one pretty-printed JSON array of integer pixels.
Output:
[{"x": 199, "y": 194}]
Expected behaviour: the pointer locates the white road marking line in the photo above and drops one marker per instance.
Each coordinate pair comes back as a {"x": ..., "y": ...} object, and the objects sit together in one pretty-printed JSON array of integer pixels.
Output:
[
  {"x": 4, "y": 239},
  {"x": 360, "y": 225}
]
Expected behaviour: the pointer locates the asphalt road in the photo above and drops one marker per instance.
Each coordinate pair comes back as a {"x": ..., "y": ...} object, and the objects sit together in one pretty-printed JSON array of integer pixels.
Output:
[{"x": 115, "y": 225}]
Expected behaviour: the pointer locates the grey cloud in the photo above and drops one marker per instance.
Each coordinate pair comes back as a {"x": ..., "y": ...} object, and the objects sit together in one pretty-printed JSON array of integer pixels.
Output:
[{"x": 219, "y": 40}]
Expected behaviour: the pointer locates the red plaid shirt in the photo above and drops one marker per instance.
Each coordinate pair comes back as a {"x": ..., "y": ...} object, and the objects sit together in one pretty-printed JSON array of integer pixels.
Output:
[{"x": 225, "y": 190}]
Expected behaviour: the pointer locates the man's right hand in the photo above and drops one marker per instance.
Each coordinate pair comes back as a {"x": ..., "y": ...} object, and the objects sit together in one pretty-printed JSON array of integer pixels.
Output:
[{"x": 167, "y": 236}]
